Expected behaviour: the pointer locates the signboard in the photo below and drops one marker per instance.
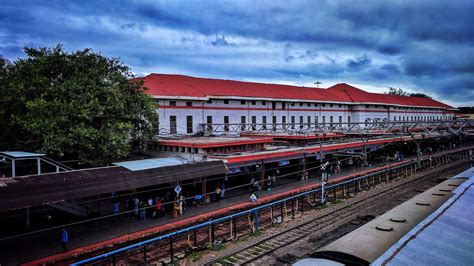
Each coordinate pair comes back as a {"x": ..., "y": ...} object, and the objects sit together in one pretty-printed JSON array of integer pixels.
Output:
[
  {"x": 283, "y": 163},
  {"x": 177, "y": 189},
  {"x": 234, "y": 170}
]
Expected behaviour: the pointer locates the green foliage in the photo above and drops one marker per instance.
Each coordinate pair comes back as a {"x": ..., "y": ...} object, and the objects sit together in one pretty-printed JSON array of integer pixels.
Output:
[
  {"x": 394, "y": 91},
  {"x": 466, "y": 110},
  {"x": 420, "y": 95},
  {"x": 78, "y": 105},
  {"x": 401, "y": 92}
]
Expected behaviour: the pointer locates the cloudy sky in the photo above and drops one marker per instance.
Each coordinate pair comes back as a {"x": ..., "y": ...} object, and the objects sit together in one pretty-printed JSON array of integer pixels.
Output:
[{"x": 422, "y": 46}]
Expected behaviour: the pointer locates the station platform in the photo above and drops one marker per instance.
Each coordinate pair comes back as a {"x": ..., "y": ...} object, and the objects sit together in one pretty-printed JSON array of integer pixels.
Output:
[{"x": 46, "y": 247}]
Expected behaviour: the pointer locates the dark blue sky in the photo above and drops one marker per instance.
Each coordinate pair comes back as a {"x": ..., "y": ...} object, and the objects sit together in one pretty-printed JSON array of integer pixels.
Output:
[{"x": 423, "y": 46}]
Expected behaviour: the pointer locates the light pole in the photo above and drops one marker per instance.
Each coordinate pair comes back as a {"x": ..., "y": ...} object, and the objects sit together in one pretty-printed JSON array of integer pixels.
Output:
[
  {"x": 323, "y": 169},
  {"x": 323, "y": 182}
]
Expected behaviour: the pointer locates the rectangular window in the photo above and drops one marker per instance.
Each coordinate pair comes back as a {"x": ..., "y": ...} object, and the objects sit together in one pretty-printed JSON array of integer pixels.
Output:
[
  {"x": 172, "y": 103},
  {"x": 324, "y": 119},
  {"x": 315, "y": 119},
  {"x": 173, "y": 124},
  {"x": 264, "y": 122},
  {"x": 315, "y": 105},
  {"x": 301, "y": 104},
  {"x": 309, "y": 120},
  {"x": 330, "y": 105},
  {"x": 274, "y": 121},
  {"x": 209, "y": 101},
  {"x": 324, "y": 105},
  {"x": 242, "y": 123},
  {"x": 331, "y": 121},
  {"x": 301, "y": 122},
  {"x": 226, "y": 123},
  {"x": 189, "y": 104},
  {"x": 283, "y": 106},
  {"x": 254, "y": 123},
  {"x": 309, "y": 105},
  {"x": 340, "y": 105},
  {"x": 340, "y": 120},
  {"x": 283, "y": 121},
  {"x": 293, "y": 122},
  {"x": 264, "y": 103},
  {"x": 254, "y": 102},
  {"x": 226, "y": 101},
  {"x": 274, "y": 105},
  {"x": 242, "y": 102},
  {"x": 189, "y": 124},
  {"x": 349, "y": 120}
]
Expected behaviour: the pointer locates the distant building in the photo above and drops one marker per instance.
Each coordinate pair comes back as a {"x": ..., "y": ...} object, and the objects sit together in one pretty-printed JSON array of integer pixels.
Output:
[{"x": 185, "y": 104}]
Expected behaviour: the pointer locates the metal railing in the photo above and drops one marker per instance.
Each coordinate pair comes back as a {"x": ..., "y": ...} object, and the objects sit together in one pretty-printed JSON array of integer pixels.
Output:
[{"x": 382, "y": 127}]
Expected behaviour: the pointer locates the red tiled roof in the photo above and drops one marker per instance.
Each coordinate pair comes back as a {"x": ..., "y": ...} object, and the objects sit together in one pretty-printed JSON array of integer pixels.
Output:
[
  {"x": 166, "y": 85},
  {"x": 359, "y": 96}
]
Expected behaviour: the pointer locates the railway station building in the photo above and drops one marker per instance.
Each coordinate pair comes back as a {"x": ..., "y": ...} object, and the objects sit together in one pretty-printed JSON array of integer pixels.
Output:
[{"x": 187, "y": 104}]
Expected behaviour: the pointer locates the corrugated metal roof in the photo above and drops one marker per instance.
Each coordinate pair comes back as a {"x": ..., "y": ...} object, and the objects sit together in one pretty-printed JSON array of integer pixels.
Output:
[
  {"x": 150, "y": 163},
  {"x": 21, "y": 154},
  {"x": 446, "y": 237},
  {"x": 27, "y": 191}
]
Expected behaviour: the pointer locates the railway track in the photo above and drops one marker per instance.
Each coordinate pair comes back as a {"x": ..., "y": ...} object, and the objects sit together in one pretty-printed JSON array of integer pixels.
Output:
[
  {"x": 170, "y": 250},
  {"x": 346, "y": 212}
]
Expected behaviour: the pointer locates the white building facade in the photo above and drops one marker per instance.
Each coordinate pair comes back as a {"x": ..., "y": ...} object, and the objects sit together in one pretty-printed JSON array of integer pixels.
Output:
[{"x": 183, "y": 106}]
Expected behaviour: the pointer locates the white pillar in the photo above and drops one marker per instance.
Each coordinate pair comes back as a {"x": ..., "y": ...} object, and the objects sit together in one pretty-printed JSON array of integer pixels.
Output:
[
  {"x": 38, "y": 162},
  {"x": 13, "y": 168}
]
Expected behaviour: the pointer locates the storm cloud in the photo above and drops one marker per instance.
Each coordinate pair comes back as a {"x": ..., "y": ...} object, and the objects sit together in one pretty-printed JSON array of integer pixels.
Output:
[{"x": 420, "y": 46}]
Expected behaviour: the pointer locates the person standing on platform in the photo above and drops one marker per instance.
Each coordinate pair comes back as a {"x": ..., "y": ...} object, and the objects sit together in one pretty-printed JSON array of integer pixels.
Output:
[
  {"x": 158, "y": 208},
  {"x": 175, "y": 209},
  {"x": 64, "y": 239},
  {"x": 136, "y": 205},
  {"x": 253, "y": 198},
  {"x": 116, "y": 207},
  {"x": 222, "y": 190},
  {"x": 269, "y": 183},
  {"x": 181, "y": 204},
  {"x": 142, "y": 211},
  {"x": 150, "y": 207},
  {"x": 218, "y": 194}
]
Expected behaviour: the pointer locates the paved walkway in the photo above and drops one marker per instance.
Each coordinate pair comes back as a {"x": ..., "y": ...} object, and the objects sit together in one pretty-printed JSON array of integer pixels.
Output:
[{"x": 46, "y": 244}]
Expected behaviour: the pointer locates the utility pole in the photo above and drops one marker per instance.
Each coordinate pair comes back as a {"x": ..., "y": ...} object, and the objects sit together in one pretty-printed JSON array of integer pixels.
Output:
[
  {"x": 323, "y": 182},
  {"x": 323, "y": 168}
]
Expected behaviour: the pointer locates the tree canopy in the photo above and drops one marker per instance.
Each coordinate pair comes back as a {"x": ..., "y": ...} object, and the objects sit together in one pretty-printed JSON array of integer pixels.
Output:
[
  {"x": 401, "y": 92},
  {"x": 78, "y": 105}
]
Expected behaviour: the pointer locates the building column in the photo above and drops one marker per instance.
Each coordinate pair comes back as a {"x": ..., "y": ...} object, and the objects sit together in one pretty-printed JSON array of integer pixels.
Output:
[{"x": 38, "y": 162}]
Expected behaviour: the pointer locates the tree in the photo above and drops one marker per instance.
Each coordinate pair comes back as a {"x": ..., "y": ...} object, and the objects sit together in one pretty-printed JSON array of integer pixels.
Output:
[
  {"x": 401, "y": 92},
  {"x": 466, "y": 110},
  {"x": 394, "y": 91},
  {"x": 420, "y": 95},
  {"x": 78, "y": 105}
]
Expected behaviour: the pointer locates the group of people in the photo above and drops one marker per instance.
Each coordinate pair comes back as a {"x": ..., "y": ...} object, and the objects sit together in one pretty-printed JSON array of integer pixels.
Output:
[
  {"x": 141, "y": 209},
  {"x": 270, "y": 181}
]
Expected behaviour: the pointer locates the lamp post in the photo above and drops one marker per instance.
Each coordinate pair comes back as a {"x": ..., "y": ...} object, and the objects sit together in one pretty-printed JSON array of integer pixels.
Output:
[{"x": 323, "y": 168}]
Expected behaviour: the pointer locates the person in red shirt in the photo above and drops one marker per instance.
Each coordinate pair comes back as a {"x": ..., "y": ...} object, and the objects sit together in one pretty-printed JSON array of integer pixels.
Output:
[{"x": 158, "y": 208}]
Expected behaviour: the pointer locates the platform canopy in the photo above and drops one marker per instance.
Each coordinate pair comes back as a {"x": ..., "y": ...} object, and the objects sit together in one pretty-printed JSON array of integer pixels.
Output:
[
  {"x": 20, "y": 154},
  {"x": 34, "y": 190},
  {"x": 153, "y": 163}
]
